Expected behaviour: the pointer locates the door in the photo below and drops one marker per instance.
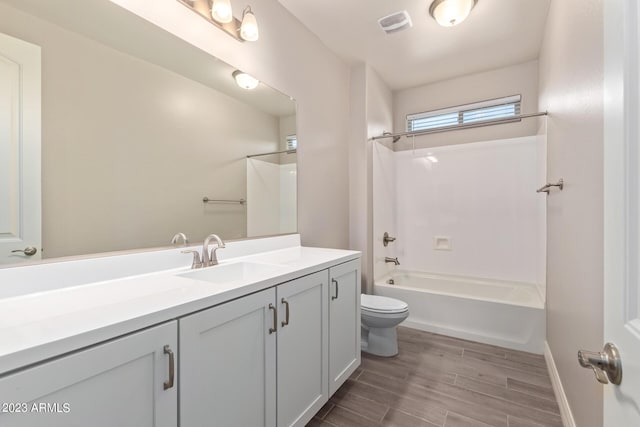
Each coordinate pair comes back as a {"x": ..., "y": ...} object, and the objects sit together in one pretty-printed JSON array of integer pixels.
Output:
[
  {"x": 126, "y": 382},
  {"x": 20, "y": 212},
  {"x": 227, "y": 364},
  {"x": 622, "y": 208},
  {"x": 344, "y": 322},
  {"x": 302, "y": 348}
]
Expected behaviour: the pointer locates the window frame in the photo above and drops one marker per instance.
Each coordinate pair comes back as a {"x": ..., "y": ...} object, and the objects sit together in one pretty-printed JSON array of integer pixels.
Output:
[{"x": 463, "y": 108}]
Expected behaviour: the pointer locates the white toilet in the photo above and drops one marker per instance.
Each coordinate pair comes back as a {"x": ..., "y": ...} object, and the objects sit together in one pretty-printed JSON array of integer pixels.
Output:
[{"x": 380, "y": 316}]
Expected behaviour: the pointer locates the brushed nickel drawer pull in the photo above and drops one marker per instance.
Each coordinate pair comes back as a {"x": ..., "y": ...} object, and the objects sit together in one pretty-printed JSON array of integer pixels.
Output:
[
  {"x": 286, "y": 316},
  {"x": 172, "y": 367},
  {"x": 275, "y": 319},
  {"x": 337, "y": 289}
]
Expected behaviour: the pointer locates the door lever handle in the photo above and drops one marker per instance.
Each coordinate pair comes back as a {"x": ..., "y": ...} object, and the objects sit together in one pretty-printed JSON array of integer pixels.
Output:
[
  {"x": 606, "y": 365},
  {"x": 28, "y": 251}
]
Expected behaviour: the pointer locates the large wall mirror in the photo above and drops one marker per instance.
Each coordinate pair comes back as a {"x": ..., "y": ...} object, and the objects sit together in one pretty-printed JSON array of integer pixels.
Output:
[{"x": 143, "y": 136}]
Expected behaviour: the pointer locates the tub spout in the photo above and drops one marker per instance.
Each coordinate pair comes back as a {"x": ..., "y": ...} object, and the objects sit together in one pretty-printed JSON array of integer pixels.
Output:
[{"x": 393, "y": 260}]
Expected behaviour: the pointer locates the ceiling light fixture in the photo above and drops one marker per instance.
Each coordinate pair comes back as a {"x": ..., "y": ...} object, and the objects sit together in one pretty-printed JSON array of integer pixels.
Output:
[
  {"x": 244, "y": 80},
  {"x": 449, "y": 13},
  {"x": 221, "y": 11},
  {"x": 249, "y": 26}
]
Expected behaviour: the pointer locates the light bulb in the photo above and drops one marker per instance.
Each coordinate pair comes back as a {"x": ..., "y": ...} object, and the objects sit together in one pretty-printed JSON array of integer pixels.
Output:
[
  {"x": 221, "y": 11},
  {"x": 244, "y": 80},
  {"x": 449, "y": 13},
  {"x": 249, "y": 26}
]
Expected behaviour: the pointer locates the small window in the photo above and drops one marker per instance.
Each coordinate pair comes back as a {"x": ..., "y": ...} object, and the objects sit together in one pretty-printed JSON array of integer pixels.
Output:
[
  {"x": 477, "y": 112},
  {"x": 292, "y": 142}
]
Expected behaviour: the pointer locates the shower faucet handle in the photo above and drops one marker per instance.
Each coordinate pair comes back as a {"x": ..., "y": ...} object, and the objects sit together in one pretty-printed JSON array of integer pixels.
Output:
[{"x": 386, "y": 239}]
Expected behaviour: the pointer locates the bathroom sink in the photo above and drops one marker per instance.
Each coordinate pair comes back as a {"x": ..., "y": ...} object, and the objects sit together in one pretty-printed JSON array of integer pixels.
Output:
[{"x": 235, "y": 272}]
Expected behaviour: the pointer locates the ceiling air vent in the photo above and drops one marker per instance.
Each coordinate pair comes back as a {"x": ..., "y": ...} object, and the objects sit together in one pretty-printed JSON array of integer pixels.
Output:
[{"x": 395, "y": 22}]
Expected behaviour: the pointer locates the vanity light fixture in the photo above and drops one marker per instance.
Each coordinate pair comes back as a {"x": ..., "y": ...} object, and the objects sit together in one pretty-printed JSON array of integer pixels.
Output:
[
  {"x": 449, "y": 13},
  {"x": 220, "y": 14},
  {"x": 221, "y": 11},
  {"x": 249, "y": 26},
  {"x": 244, "y": 80}
]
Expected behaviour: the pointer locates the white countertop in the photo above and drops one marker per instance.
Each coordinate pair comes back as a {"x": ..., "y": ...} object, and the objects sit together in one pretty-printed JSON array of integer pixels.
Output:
[{"x": 41, "y": 325}]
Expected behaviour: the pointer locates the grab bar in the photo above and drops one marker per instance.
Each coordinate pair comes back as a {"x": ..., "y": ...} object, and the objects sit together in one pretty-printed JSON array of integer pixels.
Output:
[
  {"x": 547, "y": 187},
  {"x": 208, "y": 200}
]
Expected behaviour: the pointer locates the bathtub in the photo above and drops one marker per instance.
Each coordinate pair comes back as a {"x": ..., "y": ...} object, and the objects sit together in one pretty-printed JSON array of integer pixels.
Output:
[{"x": 506, "y": 314}]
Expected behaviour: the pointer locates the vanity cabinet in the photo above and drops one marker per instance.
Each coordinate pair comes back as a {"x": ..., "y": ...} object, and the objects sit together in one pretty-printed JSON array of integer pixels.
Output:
[
  {"x": 303, "y": 348},
  {"x": 270, "y": 358},
  {"x": 124, "y": 382},
  {"x": 227, "y": 364},
  {"x": 261, "y": 360},
  {"x": 344, "y": 322}
]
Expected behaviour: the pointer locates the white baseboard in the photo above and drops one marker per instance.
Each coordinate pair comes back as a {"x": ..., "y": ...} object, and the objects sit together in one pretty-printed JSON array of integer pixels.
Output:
[{"x": 561, "y": 397}]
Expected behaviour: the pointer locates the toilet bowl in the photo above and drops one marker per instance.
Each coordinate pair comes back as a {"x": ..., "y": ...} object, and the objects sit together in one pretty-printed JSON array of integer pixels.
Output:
[{"x": 380, "y": 316}]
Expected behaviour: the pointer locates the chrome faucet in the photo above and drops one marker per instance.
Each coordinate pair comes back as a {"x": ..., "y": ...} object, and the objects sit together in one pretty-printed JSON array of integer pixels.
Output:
[
  {"x": 393, "y": 260},
  {"x": 210, "y": 258},
  {"x": 179, "y": 236}
]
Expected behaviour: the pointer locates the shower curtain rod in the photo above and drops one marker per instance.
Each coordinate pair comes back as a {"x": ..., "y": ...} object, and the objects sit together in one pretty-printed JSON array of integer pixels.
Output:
[
  {"x": 398, "y": 135},
  {"x": 273, "y": 152}
]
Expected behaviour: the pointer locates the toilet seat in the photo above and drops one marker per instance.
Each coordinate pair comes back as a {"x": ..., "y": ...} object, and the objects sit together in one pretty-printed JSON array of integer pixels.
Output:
[{"x": 380, "y": 304}]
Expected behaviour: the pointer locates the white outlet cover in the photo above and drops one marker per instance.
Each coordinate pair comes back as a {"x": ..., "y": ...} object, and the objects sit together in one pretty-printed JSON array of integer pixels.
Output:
[{"x": 442, "y": 243}]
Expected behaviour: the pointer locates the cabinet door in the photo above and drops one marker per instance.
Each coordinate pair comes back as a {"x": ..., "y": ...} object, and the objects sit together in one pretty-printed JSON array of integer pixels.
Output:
[
  {"x": 119, "y": 383},
  {"x": 344, "y": 322},
  {"x": 227, "y": 364},
  {"x": 302, "y": 348}
]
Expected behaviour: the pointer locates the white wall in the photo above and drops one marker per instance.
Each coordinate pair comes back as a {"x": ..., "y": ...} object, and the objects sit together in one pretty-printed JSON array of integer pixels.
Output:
[
  {"x": 481, "y": 196},
  {"x": 516, "y": 79},
  {"x": 293, "y": 60},
  {"x": 571, "y": 88},
  {"x": 359, "y": 203},
  {"x": 129, "y": 148},
  {"x": 384, "y": 208},
  {"x": 369, "y": 91}
]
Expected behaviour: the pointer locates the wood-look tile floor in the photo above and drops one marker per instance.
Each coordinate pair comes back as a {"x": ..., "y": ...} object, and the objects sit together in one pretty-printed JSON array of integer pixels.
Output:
[{"x": 442, "y": 381}]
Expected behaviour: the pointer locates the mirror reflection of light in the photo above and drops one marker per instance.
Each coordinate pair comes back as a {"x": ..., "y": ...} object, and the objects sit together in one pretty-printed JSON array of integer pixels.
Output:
[
  {"x": 245, "y": 81},
  {"x": 432, "y": 158}
]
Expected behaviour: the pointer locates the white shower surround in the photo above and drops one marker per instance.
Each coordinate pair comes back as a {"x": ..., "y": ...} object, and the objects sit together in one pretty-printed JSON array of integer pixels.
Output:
[
  {"x": 271, "y": 198},
  {"x": 482, "y": 197}
]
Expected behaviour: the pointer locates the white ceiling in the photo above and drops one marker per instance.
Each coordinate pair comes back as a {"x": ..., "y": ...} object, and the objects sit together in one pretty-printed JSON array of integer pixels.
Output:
[{"x": 496, "y": 34}]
